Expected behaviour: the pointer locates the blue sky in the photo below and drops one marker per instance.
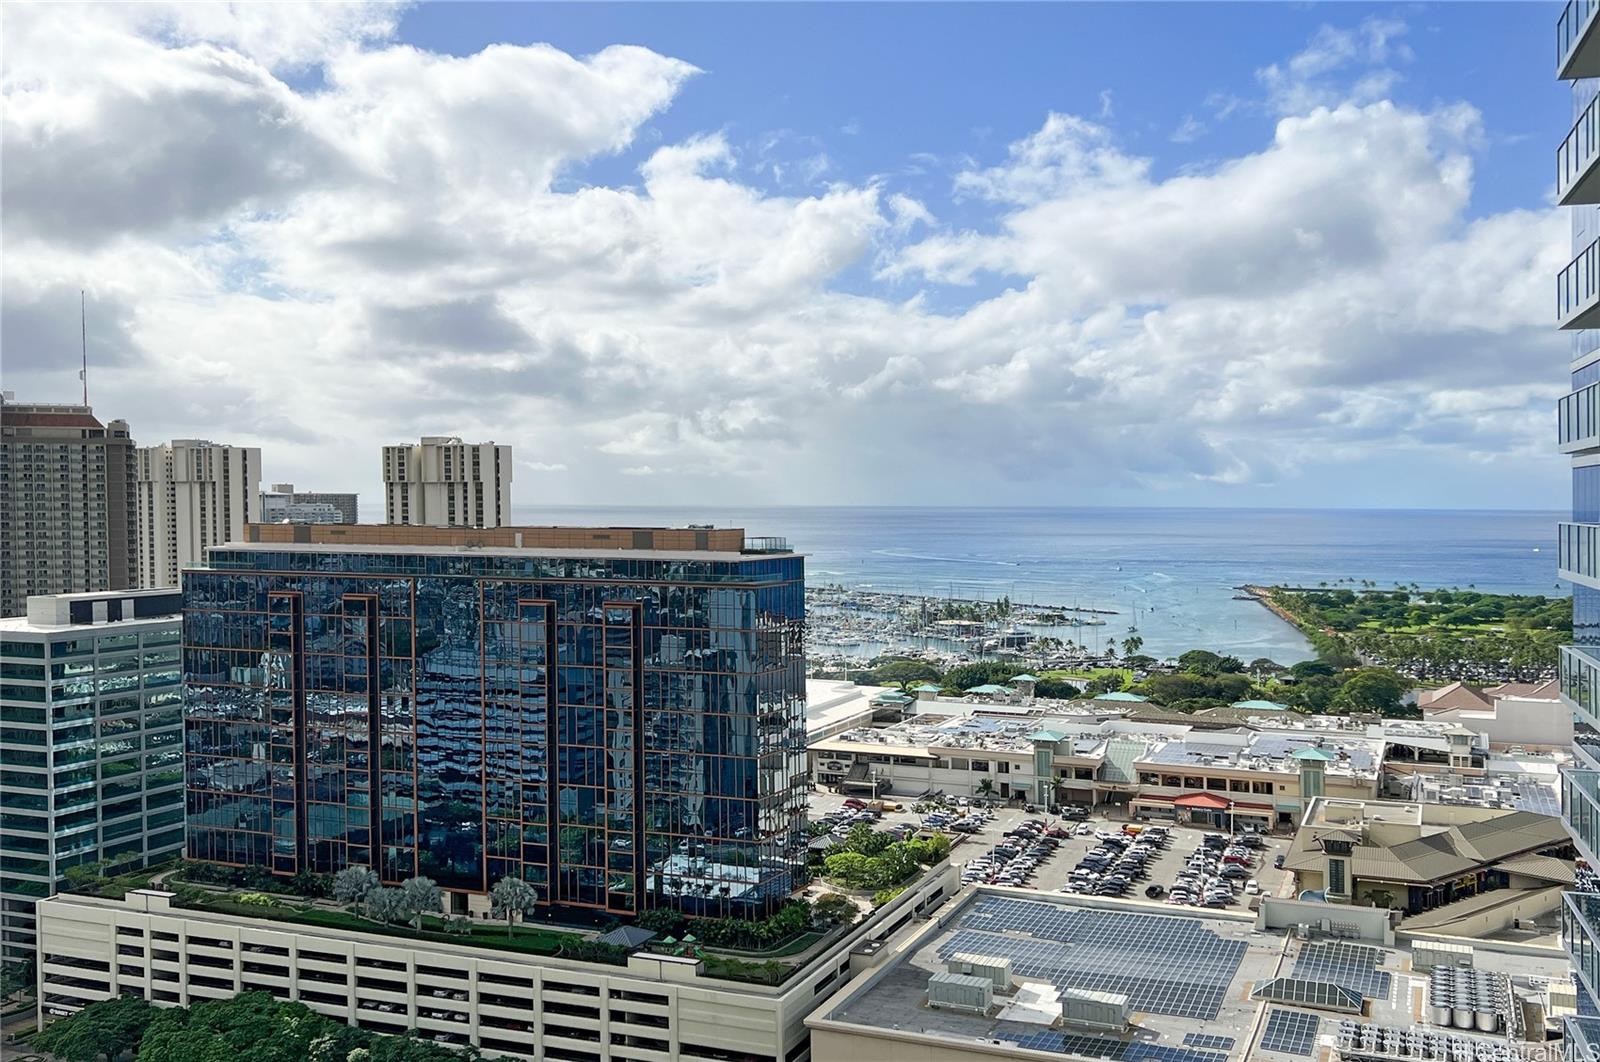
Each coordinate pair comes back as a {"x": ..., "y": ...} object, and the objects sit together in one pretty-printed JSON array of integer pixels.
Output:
[
  {"x": 1175, "y": 254},
  {"x": 874, "y": 85}
]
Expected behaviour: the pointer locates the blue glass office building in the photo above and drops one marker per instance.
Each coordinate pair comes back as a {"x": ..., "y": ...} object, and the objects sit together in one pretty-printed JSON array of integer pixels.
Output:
[
  {"x": 1578, "y": 426},
  {"x": 622, "y": 728}
]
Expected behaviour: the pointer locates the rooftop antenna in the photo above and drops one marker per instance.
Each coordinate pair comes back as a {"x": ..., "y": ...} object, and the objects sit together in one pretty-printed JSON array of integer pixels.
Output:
[{"x": 83, "y": 330}]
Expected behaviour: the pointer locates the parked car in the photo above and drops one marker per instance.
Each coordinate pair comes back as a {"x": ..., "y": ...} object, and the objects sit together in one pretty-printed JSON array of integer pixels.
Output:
[
  {"x": 854, "y": 804},
  {"x": 1277, "y": 861},
  {"x": 1252, "y": 887}
]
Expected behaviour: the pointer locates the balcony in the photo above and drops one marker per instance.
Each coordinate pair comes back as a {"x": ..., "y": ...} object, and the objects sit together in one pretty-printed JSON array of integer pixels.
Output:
[
  {"x": 1577, "y": 46},
  {"x": 1580, "y": 914},
  {"x": 1577, "y": 175},
  {"x": 1578, "y": 553},
  {"x": 1581, "y": 1040},
  {"x": 1578, "y": 418},
  {"x": 1580, "y": 808},
  {"x": 1578, "y": 290}
]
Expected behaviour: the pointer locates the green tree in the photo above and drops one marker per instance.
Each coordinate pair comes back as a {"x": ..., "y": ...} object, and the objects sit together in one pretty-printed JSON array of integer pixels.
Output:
[
  {"x": 18, "y": 976},
  {"x": 106, "y": 1028},
  {"x": 511, "y": 897},
  {"x": 422, "y": 897},
  {"x": 1371, "y": 689},
  {"x": 386, "y": 905},
  {"x": 902, "y": 673},
  {"x": 852, "y": 870},
  {"x": 1107, "y": 682},
  {"x": 1200, "y": 662},
  {"x": 351, "y": 885},
  {"x": 1131, "y": 644}
]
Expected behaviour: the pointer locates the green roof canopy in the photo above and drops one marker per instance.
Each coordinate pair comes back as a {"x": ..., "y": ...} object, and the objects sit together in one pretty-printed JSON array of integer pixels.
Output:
[
  {"x": 1311, "y": 752},
  {"x": 989, "y": 689},
  {"x": 1261, "y": 706},
  {"x": 1122, "y": 696}
]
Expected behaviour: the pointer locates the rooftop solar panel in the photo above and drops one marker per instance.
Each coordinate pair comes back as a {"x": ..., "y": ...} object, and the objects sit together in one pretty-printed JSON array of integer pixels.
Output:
[
  {"x": 1290, "y": 1032},
  {"x": 1163, "y": 964}
]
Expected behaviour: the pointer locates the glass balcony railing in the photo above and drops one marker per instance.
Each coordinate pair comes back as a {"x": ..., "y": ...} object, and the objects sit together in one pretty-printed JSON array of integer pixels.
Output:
[
  {"x": 1581, "y": 1040},
  {"x": 1577, "y": 53},
  {"x": 1578, "y": 290},
  {"x": 1580, "y": 683},
  {"x": 1578, "y": 417},
  {"x": 1580, "y": 917},
  {"x": 1580, "y": 807},
  {"x": 1577, "y": 182},
  {"x": 1578, "y": 552}
]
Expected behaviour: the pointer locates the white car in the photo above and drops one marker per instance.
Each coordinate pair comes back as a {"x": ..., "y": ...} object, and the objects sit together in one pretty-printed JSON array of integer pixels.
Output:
[
  {"x": 1083, "y": 830},
  {"x": 1252, "y": 887}
]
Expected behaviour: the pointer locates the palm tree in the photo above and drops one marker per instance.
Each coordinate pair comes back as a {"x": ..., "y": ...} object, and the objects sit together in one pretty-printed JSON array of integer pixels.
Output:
[{"x": 509, "y": 898}]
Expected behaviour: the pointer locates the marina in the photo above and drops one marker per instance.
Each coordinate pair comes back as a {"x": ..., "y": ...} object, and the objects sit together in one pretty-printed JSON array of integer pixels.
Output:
[{"x": 845, "y": 624}]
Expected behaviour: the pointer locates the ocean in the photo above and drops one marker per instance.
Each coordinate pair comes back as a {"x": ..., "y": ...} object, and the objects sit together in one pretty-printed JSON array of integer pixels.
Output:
[{"x": 1169, "y": 572}]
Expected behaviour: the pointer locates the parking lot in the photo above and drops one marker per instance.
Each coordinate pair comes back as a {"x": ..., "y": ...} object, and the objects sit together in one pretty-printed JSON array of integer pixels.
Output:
[{"x": 1052, "y": 872}]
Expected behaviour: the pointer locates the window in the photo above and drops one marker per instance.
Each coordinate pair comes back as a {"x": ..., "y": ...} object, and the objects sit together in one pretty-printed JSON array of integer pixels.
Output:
[
  {"x": 1336, "y": 877},
  {"x": 981, "y": 766},
  {"x": 1003, "y": 767}
]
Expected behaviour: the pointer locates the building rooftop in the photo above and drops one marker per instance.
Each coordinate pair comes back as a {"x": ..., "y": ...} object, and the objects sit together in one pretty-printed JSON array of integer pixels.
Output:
[
  {"x": 1270, "y": 750},
  {"x": 1420, "y": 843},
  {"x": 663, "y": 542},
  {"x": 1194, "y": 983}
]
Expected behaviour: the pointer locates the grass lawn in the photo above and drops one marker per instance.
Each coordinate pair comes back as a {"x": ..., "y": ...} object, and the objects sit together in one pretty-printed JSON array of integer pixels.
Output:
[
  {"x": 1425, "y": 628},
  {"x": 532, "y": 940},
  {"x": 1084, "y": 676},
  {"x": 793, "y": 947}
]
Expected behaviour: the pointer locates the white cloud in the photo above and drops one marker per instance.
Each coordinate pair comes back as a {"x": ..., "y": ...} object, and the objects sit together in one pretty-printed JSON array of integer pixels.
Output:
[
  {"x": 1189, "y": 130},
  {"x": 416, "y": 247}
]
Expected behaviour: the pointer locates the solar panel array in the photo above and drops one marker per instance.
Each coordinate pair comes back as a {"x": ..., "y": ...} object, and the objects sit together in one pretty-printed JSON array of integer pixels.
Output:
[
  {"x": 1164, "y": 965},
  {"x": 1350, "y": 965},
  {"x": 1220, "y": 1043},
  {"x": 1117, "y": 1050},
  {"x": 1290, "y": 1032}
]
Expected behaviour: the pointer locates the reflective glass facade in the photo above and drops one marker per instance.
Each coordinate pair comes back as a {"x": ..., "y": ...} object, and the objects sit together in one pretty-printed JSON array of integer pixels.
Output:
[
  {"x": 1578, "y": 434},
  {"x": 91, "y": 761},
  {"x": 619, "y": 733}
]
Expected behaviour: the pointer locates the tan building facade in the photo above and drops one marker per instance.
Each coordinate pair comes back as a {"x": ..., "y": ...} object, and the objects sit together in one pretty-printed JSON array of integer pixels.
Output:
[
  {"x": 445, "y": 482},
  {"x": 192, "y": 494},
  {"x": 657, "y": 1008}
]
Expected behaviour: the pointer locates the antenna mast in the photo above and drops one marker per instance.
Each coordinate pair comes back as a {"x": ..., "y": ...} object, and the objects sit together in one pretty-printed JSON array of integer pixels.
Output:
[{"x": 83, "y": 327}]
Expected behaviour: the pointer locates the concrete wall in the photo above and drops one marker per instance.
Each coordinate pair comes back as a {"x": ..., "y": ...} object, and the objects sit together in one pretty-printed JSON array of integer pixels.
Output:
[
  {"x": 1372, "y": 923},
  {"x": 654, "y": 1010},
  {"x": 1523, "y": 905}
]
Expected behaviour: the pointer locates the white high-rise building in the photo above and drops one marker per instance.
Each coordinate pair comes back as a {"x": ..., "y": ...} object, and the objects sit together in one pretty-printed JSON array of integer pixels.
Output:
[
  {"x": 444, "y": 482},
  {"x": 192, "y": 494}
]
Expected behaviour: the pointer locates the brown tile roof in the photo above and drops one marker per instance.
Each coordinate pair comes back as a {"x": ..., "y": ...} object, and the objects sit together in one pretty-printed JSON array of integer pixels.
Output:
[
  {"x": 1455, "y": 695},
  {"x": 49, "y": 420}
]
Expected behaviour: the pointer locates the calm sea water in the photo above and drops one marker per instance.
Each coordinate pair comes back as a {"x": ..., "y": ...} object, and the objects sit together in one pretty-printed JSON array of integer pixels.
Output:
[{"x": 1170, "y": 572}]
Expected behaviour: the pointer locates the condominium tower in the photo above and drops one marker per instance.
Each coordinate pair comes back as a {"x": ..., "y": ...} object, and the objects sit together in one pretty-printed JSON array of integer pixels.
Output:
[
  {"x": 284, "y": 504},
  {"x": 614, "y": 715},
  {"x": 1578, "y": 426},
  {"x": 92, "y": 743},
  {"x": 192, "y": 494},
  {"x": 444, "y": 482},
  {"x": 66, "y": 503}
]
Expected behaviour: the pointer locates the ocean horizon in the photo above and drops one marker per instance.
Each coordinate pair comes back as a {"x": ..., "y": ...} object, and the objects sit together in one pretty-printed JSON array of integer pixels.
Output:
[{"x": 1169, "y": 572}]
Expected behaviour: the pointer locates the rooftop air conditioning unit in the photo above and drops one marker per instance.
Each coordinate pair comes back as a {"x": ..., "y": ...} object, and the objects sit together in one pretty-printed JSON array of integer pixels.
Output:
[{"x": 1095, "y": 1010}]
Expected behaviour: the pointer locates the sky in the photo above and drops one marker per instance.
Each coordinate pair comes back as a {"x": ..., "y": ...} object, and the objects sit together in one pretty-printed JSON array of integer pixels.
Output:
[{"x": 939, "y": 254}]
